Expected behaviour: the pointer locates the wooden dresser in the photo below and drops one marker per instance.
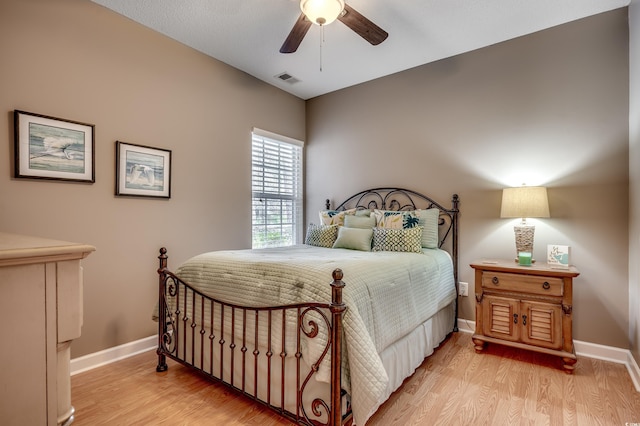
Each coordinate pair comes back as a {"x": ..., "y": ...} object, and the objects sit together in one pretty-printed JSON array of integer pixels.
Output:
[
  {"x": 41, "y": 305},
  {"x": 528, "y": 307}
]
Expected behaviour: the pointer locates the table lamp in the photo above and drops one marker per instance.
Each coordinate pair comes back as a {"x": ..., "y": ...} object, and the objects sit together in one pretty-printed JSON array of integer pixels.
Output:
[{"x": 524, "y": 202}]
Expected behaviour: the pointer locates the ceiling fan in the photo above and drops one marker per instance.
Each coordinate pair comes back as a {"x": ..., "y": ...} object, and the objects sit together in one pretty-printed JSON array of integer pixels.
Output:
[{"x": 323, "y": 12}]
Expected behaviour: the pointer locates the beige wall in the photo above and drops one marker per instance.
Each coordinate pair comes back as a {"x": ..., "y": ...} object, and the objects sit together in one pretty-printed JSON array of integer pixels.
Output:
[
  {"x": 74, "y": 59},
  {"x": 634, "y": 178},
  {"x": 550, "y": 108}
]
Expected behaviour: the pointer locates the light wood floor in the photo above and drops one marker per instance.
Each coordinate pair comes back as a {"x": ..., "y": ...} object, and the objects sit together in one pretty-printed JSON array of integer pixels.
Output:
[{"x": 455, "y": 386}]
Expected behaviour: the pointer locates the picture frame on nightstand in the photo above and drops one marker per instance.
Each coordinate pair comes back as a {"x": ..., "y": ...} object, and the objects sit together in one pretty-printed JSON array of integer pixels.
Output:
[{"x": 558, "y": 256}]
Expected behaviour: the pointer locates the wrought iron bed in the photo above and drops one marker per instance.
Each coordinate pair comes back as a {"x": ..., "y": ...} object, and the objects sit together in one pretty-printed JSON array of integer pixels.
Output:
[{"x": 192, "y": 330}]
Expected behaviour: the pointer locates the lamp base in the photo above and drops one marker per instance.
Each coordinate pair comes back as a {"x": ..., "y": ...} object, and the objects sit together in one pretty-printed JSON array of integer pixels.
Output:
[
  {"x": 517, "y": 260},
  {"x": 524, "y": 239}
]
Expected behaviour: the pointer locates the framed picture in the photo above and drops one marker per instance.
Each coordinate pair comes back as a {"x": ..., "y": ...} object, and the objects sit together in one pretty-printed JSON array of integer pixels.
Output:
[
  {"x": 142, "y": 171},
  {"x": 53, "y": 148},
  {"x": 558, "y": 256}
]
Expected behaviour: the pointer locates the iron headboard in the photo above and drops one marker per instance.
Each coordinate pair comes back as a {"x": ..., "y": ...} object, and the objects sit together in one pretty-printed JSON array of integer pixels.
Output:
[{"x": 401, "y": 199}]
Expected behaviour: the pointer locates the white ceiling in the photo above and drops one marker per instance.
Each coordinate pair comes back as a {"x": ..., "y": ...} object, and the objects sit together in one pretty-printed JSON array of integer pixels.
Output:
[{"x": 247, "y": 34}]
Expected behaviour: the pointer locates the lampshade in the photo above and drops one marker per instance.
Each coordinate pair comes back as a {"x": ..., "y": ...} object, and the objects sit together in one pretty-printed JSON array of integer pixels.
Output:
[
  {"x": 525, "y": 201},
  {"x": 322, "y": 12}
]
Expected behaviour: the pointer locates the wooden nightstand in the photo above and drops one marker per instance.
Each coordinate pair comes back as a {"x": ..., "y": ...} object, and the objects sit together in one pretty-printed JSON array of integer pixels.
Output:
[{"x": 528, "y": 307}]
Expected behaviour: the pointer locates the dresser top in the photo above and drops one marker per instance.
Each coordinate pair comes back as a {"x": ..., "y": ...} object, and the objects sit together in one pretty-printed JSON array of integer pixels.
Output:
[
  {"x": 537, "y": 268},
  {"x": 20, "y": 249}
]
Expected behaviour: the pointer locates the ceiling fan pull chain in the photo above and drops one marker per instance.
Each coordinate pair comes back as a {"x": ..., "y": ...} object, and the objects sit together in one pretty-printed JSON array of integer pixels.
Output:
[{"x": 321, "y": 43}]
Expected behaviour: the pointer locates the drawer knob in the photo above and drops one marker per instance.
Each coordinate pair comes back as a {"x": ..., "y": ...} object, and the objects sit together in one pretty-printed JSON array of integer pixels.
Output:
[
  {"x": 495, "y": 280},
  {"x": 546, "y": 285}
]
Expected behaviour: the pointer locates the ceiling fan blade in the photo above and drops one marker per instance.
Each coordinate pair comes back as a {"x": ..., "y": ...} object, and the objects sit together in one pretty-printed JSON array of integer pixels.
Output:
[
  {"x": 362, "y": 26},
  {"x": 296, "y": 35}
]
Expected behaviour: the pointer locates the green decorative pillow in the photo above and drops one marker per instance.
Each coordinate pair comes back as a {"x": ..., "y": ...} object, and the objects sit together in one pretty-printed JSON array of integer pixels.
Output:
[
  {"x": 389, "y": 239},
  {"x": 428, "y": 219},
  {"x": 365, "y": 222},
  {"x": 354, "y": 238},
  {"x": 395, "y": 219},
  {"x": 322, "y": 235}
]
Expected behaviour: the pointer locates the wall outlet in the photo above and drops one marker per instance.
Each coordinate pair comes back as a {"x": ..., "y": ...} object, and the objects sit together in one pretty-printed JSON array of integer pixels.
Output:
[{"x": 463, "y": 289}]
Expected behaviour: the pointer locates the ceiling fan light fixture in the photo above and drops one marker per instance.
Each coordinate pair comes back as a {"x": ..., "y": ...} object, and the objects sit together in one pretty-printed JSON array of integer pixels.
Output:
[{"x": 322, "y": 12}]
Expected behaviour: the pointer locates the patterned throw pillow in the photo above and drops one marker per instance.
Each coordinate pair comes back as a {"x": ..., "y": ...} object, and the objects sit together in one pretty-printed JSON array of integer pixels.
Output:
[
  {"x": 321, "y": 235},
  {"x": 334, "y": 217},
  {"x": 389, "y": 239},
  {"x": 396, "y": 219}
]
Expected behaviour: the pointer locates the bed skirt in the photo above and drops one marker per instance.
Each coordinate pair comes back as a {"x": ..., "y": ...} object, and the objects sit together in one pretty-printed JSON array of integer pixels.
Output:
[{"x": 400, "y": 361}]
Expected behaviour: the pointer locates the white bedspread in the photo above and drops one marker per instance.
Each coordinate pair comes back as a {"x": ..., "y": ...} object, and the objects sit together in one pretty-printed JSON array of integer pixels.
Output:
[{"x": 387, "y": 294}]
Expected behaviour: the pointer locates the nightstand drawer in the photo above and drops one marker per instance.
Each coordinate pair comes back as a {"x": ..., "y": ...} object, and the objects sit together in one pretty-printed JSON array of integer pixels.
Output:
[{"x": 531, "y": 284}]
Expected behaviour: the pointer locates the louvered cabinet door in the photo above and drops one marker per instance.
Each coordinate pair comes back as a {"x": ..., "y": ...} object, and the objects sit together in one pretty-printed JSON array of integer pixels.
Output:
[
  {"x": 542, "y": 324},
  {"x": 501, "y": 318}
]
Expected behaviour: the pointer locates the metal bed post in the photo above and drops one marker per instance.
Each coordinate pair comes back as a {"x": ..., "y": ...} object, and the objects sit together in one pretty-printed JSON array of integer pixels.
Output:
[
  {"x": 454, "y": 252},
  {"x": 162, "y": 311},
  {"x": 337, "y": 310}
]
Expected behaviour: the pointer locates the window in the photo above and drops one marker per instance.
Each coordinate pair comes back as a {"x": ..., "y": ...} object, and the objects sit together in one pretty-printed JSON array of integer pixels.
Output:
[{"x": 276, "y": 167}]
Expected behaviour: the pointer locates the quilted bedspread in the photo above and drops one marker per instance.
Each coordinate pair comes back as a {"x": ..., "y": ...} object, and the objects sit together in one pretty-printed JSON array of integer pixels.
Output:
[{"x": 387, "y": 294}]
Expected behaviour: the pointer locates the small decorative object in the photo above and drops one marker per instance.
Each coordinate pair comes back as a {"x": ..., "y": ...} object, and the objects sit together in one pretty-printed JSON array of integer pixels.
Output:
[
  {"x": 53, "y": 148},
  {"x": 524, "y": 258},
  {"x": 524, "y": 202},
  {"x": 142, "y": 171},
  {"x": 558, "y": 256}
]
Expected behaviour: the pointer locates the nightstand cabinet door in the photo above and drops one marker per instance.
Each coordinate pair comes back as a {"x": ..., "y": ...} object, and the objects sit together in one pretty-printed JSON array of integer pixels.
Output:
[
  {"x": 541, "y": 324},
  {"x": 501, "y": 318}
]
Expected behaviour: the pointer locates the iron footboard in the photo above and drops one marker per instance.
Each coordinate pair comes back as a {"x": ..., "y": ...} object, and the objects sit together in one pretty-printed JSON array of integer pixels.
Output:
[{"x": 272, "y": 355}]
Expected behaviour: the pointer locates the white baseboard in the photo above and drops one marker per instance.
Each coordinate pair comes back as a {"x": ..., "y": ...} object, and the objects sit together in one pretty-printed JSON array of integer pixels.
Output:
[
  {"x": 589, "y": 350},
  {"x": 634, "y": 371},
  {"x": 107, "y": 356},
  {"x": 586, "y": 349}
]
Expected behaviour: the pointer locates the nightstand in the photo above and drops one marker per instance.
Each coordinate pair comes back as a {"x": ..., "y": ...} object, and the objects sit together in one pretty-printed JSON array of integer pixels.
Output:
[{"x": 528, "y": 307}]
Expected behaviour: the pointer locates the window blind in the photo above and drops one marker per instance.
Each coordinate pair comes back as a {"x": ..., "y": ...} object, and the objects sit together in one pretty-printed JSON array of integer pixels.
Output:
[{"x": 276, "y": 165}]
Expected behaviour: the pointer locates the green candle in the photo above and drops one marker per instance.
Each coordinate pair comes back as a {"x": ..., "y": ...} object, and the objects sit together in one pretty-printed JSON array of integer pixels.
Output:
[{"x": 524, "y": 258}]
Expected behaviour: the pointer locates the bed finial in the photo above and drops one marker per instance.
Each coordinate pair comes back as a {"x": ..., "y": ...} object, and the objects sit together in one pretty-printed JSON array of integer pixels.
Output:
[
  {"x": 327, "y": 204},
  {"x": 163, "y": 259},
  {"x": 337, "y": 274}
]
